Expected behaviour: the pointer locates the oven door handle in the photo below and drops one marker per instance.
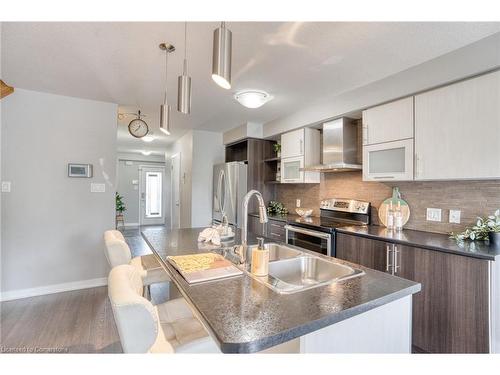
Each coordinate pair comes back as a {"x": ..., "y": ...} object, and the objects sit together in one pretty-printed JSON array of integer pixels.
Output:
[{"x": 312, "y": 233}]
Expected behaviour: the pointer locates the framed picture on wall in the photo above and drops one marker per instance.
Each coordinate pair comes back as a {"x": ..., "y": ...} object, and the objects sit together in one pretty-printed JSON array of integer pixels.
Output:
[{"x": 79, "y": 170}]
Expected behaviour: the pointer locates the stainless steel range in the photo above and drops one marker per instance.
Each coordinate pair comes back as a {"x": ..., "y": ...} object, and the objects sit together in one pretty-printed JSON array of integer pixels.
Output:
[{"x": 318, "y": 233}]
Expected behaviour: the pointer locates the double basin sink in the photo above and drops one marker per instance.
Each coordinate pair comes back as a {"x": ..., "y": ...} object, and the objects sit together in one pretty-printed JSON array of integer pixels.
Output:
[{"x": 291, "y": 270}]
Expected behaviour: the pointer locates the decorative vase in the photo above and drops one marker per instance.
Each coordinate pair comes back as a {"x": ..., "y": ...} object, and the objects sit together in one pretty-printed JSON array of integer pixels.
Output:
[{"x": 494, "y": 238}]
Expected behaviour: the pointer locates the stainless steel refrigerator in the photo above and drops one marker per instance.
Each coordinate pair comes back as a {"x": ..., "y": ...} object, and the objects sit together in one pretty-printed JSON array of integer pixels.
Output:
[{"x": 229, "y": 188}]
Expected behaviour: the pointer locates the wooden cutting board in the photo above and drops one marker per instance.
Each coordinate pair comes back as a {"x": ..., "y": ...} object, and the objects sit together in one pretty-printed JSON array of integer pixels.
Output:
[{"x": 382, "y": 210}]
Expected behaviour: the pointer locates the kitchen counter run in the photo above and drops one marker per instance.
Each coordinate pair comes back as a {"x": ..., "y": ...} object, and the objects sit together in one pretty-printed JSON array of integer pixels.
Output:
[
  {"x": 426, "y": 240},
  {"x": 245, "y": 316}
]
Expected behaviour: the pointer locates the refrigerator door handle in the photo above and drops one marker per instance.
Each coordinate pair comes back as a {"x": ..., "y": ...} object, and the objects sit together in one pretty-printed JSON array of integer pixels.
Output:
[{"x": 219, "y": 192}]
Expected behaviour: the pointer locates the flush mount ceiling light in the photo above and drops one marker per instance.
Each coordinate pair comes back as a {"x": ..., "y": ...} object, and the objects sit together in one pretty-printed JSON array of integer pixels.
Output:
[
  {"x": 253, "y": 98},
  {"x": 184, "y": 83},
  {"x": 165, "y": 108},
  {"x": 221, "y": 56},
  {"x": 146, "y": 153}
]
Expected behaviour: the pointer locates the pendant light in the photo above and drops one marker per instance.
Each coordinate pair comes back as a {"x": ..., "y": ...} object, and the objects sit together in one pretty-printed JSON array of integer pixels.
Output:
[
  {"x": 221, "y": 57},
  {"x": 184, "y": 83},
  {"x": 165, "y": 108}
]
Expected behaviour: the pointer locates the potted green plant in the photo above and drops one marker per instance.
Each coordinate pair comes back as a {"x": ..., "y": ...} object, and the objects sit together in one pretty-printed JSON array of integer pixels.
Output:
[
  {"x": 276, "y": 208},
  {"x": 493, "y": 223},
  {"x": 487, "y": 228},
  {"x": 119, "y": 204},
  {"x": 277, "y": 149}
]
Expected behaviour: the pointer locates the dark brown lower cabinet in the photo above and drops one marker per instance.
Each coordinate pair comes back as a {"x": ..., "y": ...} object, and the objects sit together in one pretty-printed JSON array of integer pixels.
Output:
[
  {"x": 255, "y": 226},
  {"x": 273, "y": 229},
  {"x": 451, "y": 312},
  {"x": 276, "y": 230}
]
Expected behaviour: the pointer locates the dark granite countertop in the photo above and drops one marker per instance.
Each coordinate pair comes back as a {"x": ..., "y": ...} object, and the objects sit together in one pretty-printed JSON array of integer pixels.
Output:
[
  {"x": 426, "y": 240},
  {"x": 245, "y": 316}
]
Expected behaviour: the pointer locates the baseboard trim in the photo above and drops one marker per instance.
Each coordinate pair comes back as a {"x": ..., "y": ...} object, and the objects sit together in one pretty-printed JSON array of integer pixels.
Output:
[{"x": 51, "y": 289}]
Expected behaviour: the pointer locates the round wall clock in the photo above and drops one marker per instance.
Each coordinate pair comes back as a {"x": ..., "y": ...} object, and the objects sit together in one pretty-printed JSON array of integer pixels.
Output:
[{"x": 138, "y": 127}]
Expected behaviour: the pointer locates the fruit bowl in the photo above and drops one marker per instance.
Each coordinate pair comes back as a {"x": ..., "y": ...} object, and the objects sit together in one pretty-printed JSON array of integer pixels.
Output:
[{"x": 304, "y": 212}]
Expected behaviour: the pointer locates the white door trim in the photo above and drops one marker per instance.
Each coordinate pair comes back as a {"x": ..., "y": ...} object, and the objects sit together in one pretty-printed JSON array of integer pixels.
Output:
[{"x": 172, "y": 203}]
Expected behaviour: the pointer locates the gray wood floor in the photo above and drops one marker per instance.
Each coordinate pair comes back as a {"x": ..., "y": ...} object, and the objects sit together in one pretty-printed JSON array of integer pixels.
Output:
[{"x": 79, "y": 321}]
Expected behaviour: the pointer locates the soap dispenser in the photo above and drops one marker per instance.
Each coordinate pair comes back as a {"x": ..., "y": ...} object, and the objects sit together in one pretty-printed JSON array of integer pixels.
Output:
[{"x": 260, "y": 259}]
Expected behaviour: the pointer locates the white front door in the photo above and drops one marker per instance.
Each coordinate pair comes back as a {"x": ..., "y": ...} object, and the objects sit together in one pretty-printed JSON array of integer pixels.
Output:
[
  {"x": 151, "y": 193},
  {"x": 175, "y": 205}
]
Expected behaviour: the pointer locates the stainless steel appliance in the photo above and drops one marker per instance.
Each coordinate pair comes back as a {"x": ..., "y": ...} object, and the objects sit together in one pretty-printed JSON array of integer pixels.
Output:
[
  {"x": 318, "y": 233},
  {"x": 229, "y": 188},
  {"x": 340, "y": 147}
]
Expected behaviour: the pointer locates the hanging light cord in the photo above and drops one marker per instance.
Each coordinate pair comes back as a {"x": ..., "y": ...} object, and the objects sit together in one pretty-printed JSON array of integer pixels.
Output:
[
  {"x": 184, "y": 67},
  {"x": 166, "y": 76}
]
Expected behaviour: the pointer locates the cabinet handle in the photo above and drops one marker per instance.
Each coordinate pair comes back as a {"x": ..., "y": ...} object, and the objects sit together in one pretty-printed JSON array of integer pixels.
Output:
[
  {"x": 396, "y": 265},
  {"x": 382, "y": 177},
  {"x": 418, "y": 166},
  {"x": 388, "y": 264}
]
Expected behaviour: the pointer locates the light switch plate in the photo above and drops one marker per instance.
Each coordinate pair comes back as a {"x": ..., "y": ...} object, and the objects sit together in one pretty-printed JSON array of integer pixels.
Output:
[
  {"x": 297, "y": 203},
  {"x": 97, "y": 188},
  {"x": 5, "y": 186},
  {"x": 454, "y": 216},
  {"x": 135, "y": 182},
  {"x": 433, "y": 214},
  {"x": 128, "y": 162}
]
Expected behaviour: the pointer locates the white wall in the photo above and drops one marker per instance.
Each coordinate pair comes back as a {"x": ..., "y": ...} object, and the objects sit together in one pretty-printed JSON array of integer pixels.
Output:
[
  {"x": 199, "y": 150},
  {"x": 207, "y": 151},
  {"x": 248, "y": 129},
  {"x": 475, "y": 58},
  {"x": 52, "y": 225}
]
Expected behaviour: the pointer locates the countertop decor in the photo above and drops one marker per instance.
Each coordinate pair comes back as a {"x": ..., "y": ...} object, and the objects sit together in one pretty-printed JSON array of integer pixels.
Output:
[
  {"x": 486, "y": 228},
  {"x": 276, "y": 208}
]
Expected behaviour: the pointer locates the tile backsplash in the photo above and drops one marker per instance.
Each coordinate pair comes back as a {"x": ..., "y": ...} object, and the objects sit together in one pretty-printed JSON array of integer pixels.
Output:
[{"x": 473, "y": 198}]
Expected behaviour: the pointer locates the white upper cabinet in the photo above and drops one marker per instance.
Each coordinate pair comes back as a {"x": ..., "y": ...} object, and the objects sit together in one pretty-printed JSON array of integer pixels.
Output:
[
  {"x": 292, "y": 144},
  {"x": 457, "y": 130},
  {"x": 388, "y": 122},
  {"x": 299, "y": 149}
]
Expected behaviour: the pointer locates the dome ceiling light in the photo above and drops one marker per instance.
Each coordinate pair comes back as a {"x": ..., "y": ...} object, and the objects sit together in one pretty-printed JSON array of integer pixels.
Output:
[
  {"x": 148, "y": 138},
  {"x": 253, "y": 98}
]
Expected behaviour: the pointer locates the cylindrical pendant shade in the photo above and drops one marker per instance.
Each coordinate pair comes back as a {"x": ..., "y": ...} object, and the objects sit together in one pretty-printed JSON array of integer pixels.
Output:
[
  {"x": 165, "y": 118},
  {"x": 221, "y": 57},
  {"x": 184, "y": 92}
]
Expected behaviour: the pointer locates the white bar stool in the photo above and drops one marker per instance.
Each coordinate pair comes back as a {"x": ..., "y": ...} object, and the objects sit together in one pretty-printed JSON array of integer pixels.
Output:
[
  {"x": 118, "y": 253},
  {"x": 143, "y": 328}
]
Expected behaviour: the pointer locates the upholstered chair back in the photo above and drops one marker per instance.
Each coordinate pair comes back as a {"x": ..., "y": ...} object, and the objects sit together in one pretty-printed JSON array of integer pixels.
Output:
[
  {"x": 116, "y": 249},
  {"x": 135, "y": 317}
]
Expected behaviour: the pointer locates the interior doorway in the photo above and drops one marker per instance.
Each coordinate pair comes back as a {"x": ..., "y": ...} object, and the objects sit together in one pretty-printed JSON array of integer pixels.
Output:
[
  {"x": 151, "y": 195},
  {"x": 175, "y": 179}
]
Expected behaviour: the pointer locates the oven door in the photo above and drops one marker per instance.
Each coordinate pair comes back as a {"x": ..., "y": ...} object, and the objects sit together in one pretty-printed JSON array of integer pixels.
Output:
[{"x": 319, "y": 242}]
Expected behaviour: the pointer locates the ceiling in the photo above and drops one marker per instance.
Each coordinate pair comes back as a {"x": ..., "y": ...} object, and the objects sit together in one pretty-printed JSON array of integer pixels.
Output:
[{"x": 297, "y": 62}]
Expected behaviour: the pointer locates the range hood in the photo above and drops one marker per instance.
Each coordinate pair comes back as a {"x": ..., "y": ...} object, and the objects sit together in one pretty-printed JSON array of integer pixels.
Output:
[{"x": 340, "y": 147}]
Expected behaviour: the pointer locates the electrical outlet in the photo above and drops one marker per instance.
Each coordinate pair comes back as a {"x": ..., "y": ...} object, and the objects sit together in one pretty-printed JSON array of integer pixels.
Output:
[
  {"x": 297, "y": 203},
  {"x": 454, "y": 216},
  {"x": 433, "y": 214},
  {"x": 5, "y": 186}
]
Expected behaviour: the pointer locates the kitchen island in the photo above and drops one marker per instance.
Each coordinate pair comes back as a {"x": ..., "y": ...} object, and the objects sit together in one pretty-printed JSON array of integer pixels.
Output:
[{"x": 368, "y": 313}]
